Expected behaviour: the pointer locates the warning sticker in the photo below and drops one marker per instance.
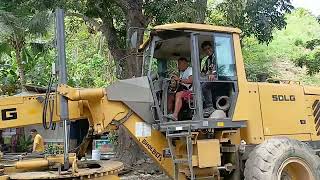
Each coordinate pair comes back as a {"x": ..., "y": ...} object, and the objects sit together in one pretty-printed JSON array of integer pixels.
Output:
[{"x": 143, "y": 129}]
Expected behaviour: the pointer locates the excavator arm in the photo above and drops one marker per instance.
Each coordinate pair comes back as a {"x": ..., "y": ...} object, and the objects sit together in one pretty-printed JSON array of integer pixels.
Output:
[{"x": 95, "y": 106}]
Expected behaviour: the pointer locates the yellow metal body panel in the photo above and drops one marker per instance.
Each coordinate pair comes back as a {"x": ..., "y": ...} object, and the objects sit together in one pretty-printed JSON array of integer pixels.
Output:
[
  {"x": 247, "y": 103},
  {"x": 265, "y": 117},
  {"x": 312, "y": 90},
  {"x": 300, "y": 137},
  {"x": 311, "y": 107},
  {"x": 153, "y": 145},
  {"x": 195, "y": 160},
  {"x": 43, "y": 162},
  {"x": 253, "y": 133},
  {"x": 5, "y": 177},
  {"x": 208, "y": 153},
  {"x": 282, "y": 114},
  {"x": 60, "y": 158},
  {"x": 241, "y": 110},
  {"x": 108, "y": 170},
  {"x": 29, "y": 111},
  {"x": 32, "y": 164}
]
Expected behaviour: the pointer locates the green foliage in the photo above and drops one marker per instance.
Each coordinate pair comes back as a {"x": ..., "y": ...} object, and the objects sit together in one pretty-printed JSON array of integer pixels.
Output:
[
  {"x": 298, "y": 42},
  {"x": 257, "y": 63},
  {"x": 309, "y": 55},
  {"x": 312, "y": 44},
  {"x": 171, "y": 11},
  {"x": 8, "y": 76},
  {"x": 311, "y": 58},
  {"x": 53, "y": 149},
  {"x": 258, "y": 18},
  {"x": 24, "y": 144},
  {"x": 87, "y": 57},
  {"x": 311, "y": 61},
  {"x": 301, "y": 26},
  {"x": 287, "y": 45},
  {"x": 20, "y": 23},
  {"x": 113, "y": 138},
  {"x": 5, "y": 49}
]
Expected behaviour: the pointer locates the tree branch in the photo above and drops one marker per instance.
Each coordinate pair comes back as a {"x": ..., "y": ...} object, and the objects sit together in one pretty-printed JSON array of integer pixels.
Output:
[
  {"x": 86, "y": 19},
  {"x": 123, "y": 4},
  {"x": 108, "y": 30}
]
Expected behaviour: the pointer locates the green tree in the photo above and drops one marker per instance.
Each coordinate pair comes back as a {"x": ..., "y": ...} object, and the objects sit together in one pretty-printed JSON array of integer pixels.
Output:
[
  {"x": 8, "y": 76},
  {"x": 18, "y": 22},
  {"x": 311, "y": 58},
  {"x": 117, "y": 21},
  {"x": 257, "y": 63},
  {"x": 288, "y": 44},
  {"x": 258, "y": 18},
  {"x": 87, "y": 54}
]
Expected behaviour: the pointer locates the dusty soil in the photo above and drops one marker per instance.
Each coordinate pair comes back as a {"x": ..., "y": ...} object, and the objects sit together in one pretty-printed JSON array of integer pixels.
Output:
[
  {"x": 143, "y": 169},
  {"x": 145, "y": 177}
]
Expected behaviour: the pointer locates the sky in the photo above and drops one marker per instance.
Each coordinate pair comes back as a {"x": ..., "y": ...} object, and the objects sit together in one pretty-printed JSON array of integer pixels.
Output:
[{"x": 311, "y": 5}]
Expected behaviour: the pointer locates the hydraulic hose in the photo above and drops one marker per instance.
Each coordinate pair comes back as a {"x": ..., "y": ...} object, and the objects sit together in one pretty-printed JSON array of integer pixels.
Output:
[{"x": 50, "y": 103}]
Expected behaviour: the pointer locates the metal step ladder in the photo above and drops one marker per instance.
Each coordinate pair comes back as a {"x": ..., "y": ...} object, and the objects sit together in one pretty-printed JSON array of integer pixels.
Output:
[{"x": 176, "y": 161}]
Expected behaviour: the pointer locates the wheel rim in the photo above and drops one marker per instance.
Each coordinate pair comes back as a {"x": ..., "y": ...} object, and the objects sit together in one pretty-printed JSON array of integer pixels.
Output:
[{"x": 295, "y": 169}]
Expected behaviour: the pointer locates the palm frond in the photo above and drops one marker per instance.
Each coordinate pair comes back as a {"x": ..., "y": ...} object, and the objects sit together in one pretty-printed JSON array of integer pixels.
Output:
[
  {"x": 12, "y": 23},
  {"x": 40, "y": 23},
  {"x": 38, "y": 47},
  {"x": 5, "y": 31},
  {"x": 5, "y": 48}
]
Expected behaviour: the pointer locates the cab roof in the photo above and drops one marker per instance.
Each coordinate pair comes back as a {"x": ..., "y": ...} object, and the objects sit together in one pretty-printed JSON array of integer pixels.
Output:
[
  {"x": 196, "y": 27},
  {"x": 189, "y": 27}
]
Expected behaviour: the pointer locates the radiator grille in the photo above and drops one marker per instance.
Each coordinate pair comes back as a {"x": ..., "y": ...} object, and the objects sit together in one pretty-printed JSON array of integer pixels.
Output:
[{"x": 316, "y": 114}]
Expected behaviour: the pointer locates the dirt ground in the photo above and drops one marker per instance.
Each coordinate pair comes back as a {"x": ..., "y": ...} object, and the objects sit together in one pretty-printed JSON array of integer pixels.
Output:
[
  {"x": 145, "y": 177},
  {"x": 144, "y": 169}
]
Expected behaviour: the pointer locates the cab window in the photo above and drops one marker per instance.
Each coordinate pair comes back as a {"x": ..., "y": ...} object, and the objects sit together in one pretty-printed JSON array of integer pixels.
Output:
[{"x": 224, "y": 56}]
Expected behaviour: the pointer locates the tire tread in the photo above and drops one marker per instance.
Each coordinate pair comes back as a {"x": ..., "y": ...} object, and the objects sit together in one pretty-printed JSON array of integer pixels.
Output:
[{"x": 263, "y": 158}]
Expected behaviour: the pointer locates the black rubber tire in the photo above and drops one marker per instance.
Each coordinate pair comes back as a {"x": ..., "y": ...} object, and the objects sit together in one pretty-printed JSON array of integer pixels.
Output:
[{"x": 265, "y": 160}]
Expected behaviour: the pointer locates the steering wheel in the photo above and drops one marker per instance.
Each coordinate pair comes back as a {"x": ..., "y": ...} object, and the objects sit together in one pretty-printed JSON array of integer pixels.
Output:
[{"x": 173, "y": 85}]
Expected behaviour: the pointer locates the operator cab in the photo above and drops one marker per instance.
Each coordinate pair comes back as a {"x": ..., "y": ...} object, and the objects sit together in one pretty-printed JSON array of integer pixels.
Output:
[{"x": 170, "y": 42}]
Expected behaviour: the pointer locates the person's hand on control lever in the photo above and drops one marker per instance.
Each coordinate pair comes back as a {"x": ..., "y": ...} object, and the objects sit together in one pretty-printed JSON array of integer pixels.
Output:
[
  {"x": 175, "y": 77},
  {"x": 212, "y": 73},
  {"x": 212, "y": 76}
]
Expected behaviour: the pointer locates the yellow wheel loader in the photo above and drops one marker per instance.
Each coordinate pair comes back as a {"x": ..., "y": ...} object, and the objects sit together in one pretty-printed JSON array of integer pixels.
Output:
[{"x": 259, "y": 130}]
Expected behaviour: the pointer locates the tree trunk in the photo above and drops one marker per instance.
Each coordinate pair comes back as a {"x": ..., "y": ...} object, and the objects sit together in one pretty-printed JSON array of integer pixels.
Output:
[
  {"x": 201, "y": 10},
  {"x": 128, "y": 151},
  {"x": 18, "y": 43},
  {"x": 136, "y": 23},
  {"x": 20, "y": 68},
  {"x": 129, "y": 65}
]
